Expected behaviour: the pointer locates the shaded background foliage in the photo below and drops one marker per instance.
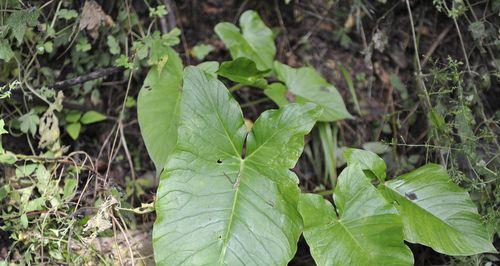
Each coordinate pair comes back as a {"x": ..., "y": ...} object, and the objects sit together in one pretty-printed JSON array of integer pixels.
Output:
[{"x": 98, "y": 53}]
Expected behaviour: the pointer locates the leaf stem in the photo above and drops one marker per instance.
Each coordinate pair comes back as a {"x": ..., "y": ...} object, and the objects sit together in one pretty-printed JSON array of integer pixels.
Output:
[
  {"x": 236, "y": 87},
  {"x": 350, "y": 86},
  {"x": 248, "y": 104}
]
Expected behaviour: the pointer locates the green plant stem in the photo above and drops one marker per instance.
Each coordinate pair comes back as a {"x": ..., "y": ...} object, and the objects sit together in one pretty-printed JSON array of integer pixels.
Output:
[
  {"x": 466, "y": 57},
  {"x": 325, "y": 192},
  {"x": 350, "y": 86},
  {"x": 328, "y": 138},
  {"x": 417, "y": 58},
  {"x": 236, "y": 87},
  {"x": 248, "y": 104},
  {"x": 419, "y": 78}
]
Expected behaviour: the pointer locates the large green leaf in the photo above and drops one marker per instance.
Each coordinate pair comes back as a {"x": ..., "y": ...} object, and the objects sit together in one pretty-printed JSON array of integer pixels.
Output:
[
  {"x": 367, "y": 231},
  {"x": 255, "y": 41},
  {"x": 309, "y": 86},
  {"x": 158, "y": 108},
  {"x": 438, "y": 213},
  {"x": 216, "y": 206},
  {"x": 244, "y": 71}
]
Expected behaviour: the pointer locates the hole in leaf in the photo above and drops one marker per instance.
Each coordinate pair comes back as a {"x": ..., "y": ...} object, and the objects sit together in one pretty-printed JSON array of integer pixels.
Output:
[
  {"x": 244, "y": 149},
  {"x": 411, "y": 196},
  {"x": 219, "y": 161},
  {"x": 324, "y": 89}
]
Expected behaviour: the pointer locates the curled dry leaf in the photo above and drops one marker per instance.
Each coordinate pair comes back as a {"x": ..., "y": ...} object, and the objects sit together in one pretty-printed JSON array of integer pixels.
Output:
[
  {"x": 101, "y": 220},
  {"x": 92, "y": 17},
  {"x": 49, "y": 124}
]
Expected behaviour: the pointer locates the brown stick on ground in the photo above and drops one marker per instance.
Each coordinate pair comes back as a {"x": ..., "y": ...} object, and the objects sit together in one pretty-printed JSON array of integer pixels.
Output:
[
  {"x": 90, "y": 76},
  {"x": 435, "y": 44}
]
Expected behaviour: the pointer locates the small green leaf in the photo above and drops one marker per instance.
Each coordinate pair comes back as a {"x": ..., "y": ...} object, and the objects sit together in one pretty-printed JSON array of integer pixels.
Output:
[
  {"x": 210, "y": 67},
  {"x": 244, "y": 71},
  {"x": 73, "y": 116},
  {"x": 158, "y": 55},
  {"x": 158, "y": 11},
  {"x": 73, "y": 130},
  {"x": 40, "y": 49},
  {"x": 367, "y": 231},
  {"x": 114, "y": 46},
  {"x": 35, "y": 205},
  {"x": 83, "y": 45},
  {"x": 25, "y": 170},
  {"x": 43, "y": 177},
  {"x": 4, "y": 192},
  {"x": 436, "y": 120},
  {"x": 48, "y": 47},
  {"x": 141, "y": 49},
  {"x": 29, "y": 122},
  {"x": 158, "y": 109},
  {"x": 2, "y": 129},
  {"x": 478, "y": 30},
  {"x": 67, "y": 14},
  {"x": 171, "y": 38},
  {"x": 20, "y": 20},
  {"x": 309, "y": 86},
  {"x": 7, "y": 157},
  {"x": 200, "y": 51},
  {"x": 122, "y": 61},
  {"x": 368, "y": 161},
  {"x": 398, "y": 85},
  {"x": 91, "y": 117},
  {"x": 23, "y": 220},
  {"x": 6, "y": 52},
  {"x": 56, "y": 254},
  {"x": 69, "y": 188},
  {"x": 437, "y": 213},
  {"x": 130, "y": 102},
  {"x": 159, "y": 47},
  {"x": 255, "y": 41},
  {"x": 342, "y": 36}
]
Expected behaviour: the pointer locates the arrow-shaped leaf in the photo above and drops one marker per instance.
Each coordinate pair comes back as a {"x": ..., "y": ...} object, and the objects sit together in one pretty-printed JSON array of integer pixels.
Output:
[
  {"x": 367, "y": 231},
  {"x": 438, "y": 213},
  {"x": 255, "y": 41},
  {"x": 158, "y": 108},
  {"x": 215, "y": 205},
  {"x": 244, "y": 71},
  {"x": 308, "y": 86}
]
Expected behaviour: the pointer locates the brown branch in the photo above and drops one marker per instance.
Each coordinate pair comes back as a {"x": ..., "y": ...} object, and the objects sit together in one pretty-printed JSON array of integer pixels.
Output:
[
  {"x": 435, "y": 44},
  {"x": 17, "y": 96},
  {"x": 90, "y": 76}
]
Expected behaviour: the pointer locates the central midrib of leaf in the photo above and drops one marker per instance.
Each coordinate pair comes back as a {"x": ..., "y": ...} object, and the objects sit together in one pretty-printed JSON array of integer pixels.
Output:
[
  {"x": 354, "y": 239},
  {"x": 231, "y": 216},
  {"x": 235, "y": 197},
  {"x": 225, "y": 131}
]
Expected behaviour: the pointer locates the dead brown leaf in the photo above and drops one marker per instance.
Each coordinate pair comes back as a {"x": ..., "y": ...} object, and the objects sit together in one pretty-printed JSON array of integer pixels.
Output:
[{"x": 93, "y": 17}]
